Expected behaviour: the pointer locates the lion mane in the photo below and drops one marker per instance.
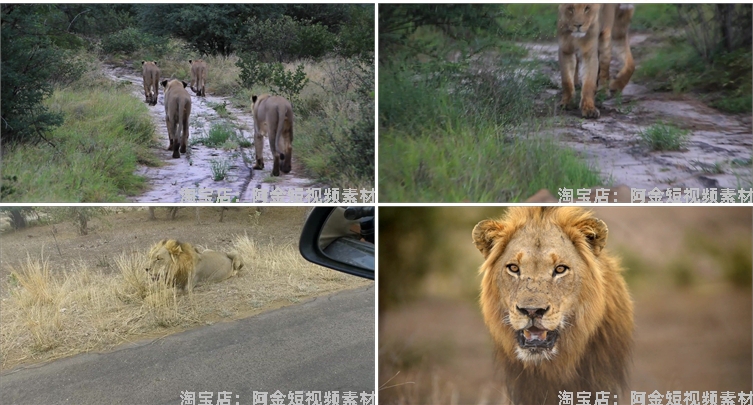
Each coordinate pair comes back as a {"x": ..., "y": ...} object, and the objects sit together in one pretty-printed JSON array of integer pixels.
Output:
[
  {"x": 183, "y": 266},
  {"x": 555, "y": 303}
]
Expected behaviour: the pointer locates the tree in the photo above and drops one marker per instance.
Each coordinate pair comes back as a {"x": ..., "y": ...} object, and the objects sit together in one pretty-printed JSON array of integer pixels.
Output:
[
  {"x": 356, "y": 37},
  {"x": 29, "y": 60},
  {"x": 211, "y": 29}
]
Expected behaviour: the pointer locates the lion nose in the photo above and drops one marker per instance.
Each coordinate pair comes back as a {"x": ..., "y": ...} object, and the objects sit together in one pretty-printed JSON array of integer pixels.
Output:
[
  {"x": 532, "y": 312},
  {"x": 577, "y": 27}
]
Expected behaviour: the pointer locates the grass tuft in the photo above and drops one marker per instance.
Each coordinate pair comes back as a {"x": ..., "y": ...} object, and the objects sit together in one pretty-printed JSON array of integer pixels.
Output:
[{"x": 663, "y": 136}]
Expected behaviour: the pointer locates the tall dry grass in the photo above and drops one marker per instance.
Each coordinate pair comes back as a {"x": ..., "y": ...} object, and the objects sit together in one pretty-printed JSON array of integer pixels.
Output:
[{"x": 51, "y": 313}]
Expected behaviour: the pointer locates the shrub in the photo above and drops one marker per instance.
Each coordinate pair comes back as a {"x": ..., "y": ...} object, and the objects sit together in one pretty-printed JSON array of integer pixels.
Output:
[
  {"x": 130, "y": 40},
  {"x": 663, "y": 136},
  {"x": 29, "y": 62}
]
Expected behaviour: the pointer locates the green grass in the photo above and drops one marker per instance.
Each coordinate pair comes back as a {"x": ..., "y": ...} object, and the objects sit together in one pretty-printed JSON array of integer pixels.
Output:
[
  {"x": 221, "y": 109},
  {"x": 453, "y": 134},
  {"x": 219, "y": 169},
  {"x": 530, "y": 22},
  {"x": 106, "y": 133},
  {"x": 655, "y": 17},
  {"x": 218, "y": 135},
  {"x": 725, "y": 82},
  {"x": 334, "y": 137},
  {"x": 477, "y": 164},
  {"x": 663, "y": 136}
]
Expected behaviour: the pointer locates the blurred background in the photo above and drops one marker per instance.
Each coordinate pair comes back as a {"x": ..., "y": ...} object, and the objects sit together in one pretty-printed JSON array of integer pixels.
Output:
[{"x": 688, "y": 269}]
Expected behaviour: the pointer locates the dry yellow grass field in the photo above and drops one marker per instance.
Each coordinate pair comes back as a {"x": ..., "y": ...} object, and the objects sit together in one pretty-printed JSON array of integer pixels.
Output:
[{"x": 62, "y": 300}]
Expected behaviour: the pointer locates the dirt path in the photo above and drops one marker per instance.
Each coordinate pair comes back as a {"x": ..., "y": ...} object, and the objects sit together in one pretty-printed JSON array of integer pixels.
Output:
[
  {"x": 193, "y": 171},
  {"x": 718, "y": 142}
]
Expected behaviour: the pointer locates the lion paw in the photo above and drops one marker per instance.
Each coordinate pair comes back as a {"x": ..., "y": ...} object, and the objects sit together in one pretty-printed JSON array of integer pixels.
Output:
[{"x": 589, "y": 112}]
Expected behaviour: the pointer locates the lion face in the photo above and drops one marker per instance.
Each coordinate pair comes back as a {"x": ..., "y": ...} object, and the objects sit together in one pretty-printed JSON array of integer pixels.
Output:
[
  {"x": 542, "y": 292},
  {"x": 538, "y": 278},
  {"x": 159, "y": 261},
  {"x": 577, "y": 18}
]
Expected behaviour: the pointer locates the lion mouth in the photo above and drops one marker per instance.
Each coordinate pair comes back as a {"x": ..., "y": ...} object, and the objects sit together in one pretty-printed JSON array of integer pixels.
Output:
[
  {"x": 578, "y": 34},
  {"x": 536, "y": 338}
]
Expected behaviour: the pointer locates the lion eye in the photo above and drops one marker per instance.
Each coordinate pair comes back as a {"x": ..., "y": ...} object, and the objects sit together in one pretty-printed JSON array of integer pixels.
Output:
[
  {"x": 587, "y": 8},
  {"x": 513, "y": 268},
  {"x": 560, "y": 269}
]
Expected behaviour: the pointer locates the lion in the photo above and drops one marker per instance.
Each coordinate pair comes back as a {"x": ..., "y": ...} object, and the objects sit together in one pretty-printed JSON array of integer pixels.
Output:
[
  {"x": 183, "y": 266},
  {"x": 177, "y": 111},
  {"x": 198, "y": 76},
  {"x": 273, "y": 116},
  {"x": 555, "y": 302},
  {"x": 592, "y": 29},
  {"x": 150, "y": 73}
]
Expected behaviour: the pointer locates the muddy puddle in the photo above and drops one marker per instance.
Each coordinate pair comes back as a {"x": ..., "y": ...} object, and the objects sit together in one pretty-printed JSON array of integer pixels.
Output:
[
  {"x": 190, "y": 178},
  {"x": 717, "y": 154}
]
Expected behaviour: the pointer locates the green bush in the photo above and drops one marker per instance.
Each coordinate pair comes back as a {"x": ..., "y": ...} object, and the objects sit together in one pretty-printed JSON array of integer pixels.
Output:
[
  {"x": 130, "y": 40},
  {"x": 661, "y": 136},
  {"x": 218, "y": 134},
  {"x": 280, "y": 81},
  {"x": 29, "y": 63},
  {"x": 285, "y": 39},
  {"x": 254, "y": 71}
]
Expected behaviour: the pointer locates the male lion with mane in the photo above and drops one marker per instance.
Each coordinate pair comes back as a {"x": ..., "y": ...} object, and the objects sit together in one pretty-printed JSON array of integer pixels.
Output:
[
  {"x": 555, "y": 303},
  {"x": 273, "y": 116},
  {"x": 181, "y": 265},
  {"x": 592, "y": 29}
]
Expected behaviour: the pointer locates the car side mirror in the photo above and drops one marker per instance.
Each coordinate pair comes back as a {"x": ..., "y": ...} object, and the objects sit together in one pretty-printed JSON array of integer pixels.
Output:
[{"x": 340, "y": 238}]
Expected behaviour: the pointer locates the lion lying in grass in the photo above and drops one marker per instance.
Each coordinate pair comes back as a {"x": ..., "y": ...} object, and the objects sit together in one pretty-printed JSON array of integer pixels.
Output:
[{"x": 181, "y": 265}]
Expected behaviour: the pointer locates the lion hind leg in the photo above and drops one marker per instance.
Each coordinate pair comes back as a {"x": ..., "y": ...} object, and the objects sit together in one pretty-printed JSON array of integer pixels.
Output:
[
  {"x": 259, "y": 146},
  {"x": 628, "y": 68},
  {"x": 185, "y": 111},
  {"x": 272, "y": 132}
]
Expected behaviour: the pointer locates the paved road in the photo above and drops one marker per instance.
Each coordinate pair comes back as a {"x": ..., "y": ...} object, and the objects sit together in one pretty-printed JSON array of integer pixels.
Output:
[{"x": 326, "y": 344}]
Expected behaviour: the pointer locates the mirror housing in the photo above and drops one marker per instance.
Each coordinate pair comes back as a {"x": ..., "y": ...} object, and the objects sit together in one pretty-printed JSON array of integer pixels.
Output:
[{"x": 347, "y": 255}]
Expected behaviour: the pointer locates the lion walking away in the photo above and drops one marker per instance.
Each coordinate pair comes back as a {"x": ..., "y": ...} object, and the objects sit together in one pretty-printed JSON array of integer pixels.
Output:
[
  {"x": 150, "y": 74},
  {"x": 273, "y": 116},
  {"x": 198, "y": 77},
  {"x": 177, "y": 112},
  {"x": 555, "y": 302}
]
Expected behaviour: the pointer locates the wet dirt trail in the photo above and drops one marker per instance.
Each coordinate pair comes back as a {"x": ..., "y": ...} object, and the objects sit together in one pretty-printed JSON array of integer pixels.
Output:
[
  {"x": 717, "y": 154},
  {"x": 191, "y": 177}
]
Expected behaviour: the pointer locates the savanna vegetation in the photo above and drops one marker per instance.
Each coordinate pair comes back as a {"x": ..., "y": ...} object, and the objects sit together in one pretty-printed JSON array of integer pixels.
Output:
[
  {"x": 61, "y": 297},
  {"x": 57, "y": 106},
  {"x": 461, "y": 99}
]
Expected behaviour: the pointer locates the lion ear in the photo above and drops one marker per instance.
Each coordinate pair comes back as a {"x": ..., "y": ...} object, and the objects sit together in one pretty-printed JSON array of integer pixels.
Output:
[
  {"x": 175, "y": 251},
  {"x": 595, "y": 231},
  {"x": 486, "y": 233}
]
